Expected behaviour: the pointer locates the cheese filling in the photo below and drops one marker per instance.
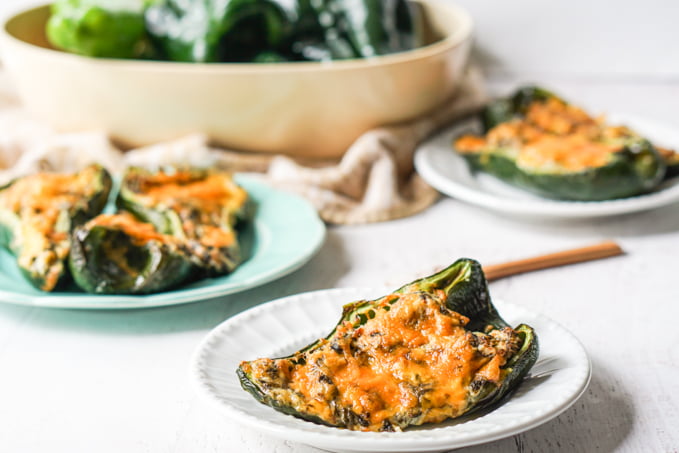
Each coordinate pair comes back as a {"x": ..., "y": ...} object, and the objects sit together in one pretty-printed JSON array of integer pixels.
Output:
[
  {"x": 44, "y": 204},
  {"x": 552, "y": 136},
  {"x": 139, "y": 232},
  {"x": 408, "y": 360},
  {"x": 205, "y": 203}
]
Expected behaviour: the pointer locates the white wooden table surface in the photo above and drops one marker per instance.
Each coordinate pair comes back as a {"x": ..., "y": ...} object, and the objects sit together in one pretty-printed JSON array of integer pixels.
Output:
[{"x": 117, "y": 381}]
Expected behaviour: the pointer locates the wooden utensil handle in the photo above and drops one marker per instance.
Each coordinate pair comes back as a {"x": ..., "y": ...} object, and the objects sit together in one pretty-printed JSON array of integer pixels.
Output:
[{"x": 592, "y": 252}]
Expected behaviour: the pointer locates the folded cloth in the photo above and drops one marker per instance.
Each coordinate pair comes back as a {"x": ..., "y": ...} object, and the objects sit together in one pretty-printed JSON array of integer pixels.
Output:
[{"x": 374, "y": 181}]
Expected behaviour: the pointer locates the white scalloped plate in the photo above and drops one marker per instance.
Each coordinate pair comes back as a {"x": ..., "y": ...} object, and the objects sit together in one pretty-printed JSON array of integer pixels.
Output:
[
  {"x": 280, "y": 327},
  {"x": 449, "y": 173}
]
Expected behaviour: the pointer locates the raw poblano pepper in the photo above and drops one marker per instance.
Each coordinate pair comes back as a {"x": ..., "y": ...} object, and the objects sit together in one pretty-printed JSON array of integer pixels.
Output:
[
  {"x": 99, "y": 28},
  {"x": 344, "y": 29},
  {"x": 38, "y": 213},
  {"x": 217, "y": 30},
  {"x": 261, "y": 31},
  {"x": 537, "y": 141},
  {"x": 434, "y": 349}
]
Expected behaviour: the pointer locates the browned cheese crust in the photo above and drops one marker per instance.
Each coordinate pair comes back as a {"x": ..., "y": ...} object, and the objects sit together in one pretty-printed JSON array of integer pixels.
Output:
[{"x": 411, "y": 362}]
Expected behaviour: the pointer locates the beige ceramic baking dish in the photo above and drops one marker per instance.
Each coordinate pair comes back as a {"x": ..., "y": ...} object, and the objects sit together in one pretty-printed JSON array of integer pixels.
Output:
[{"x": 302, "y": 109}]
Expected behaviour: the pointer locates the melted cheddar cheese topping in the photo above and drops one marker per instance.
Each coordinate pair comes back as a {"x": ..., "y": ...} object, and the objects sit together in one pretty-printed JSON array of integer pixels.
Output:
[
  {"x": 670, "y": 156},
  {"x": 551, "y": 136},
  {"x": 45, "y": 203},
  {"x": 208, "y": 193},
  {"x": 139, "y": 232},
  {"x": 408, "y": 360},
  {"x": 205, "y": 202}
]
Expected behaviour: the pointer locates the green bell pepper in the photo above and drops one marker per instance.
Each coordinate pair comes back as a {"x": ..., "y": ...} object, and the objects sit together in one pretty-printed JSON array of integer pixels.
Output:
[
  {"x": 436, "y": 337},
  {"x": 99, "y": 28},
  {"x": 217, "y": 30},
  {"x": 38, "y": 213},
  {"x": 118, "y": 254},
  {"x": 578, "y": 157}
]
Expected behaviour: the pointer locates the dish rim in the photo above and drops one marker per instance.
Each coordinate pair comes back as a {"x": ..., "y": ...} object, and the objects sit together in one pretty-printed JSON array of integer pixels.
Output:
[{"x": 458, "y": 38}]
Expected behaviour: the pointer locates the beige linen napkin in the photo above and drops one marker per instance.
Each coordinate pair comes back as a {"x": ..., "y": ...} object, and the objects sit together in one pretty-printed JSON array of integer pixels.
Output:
[{"x": 374, "y": 181}]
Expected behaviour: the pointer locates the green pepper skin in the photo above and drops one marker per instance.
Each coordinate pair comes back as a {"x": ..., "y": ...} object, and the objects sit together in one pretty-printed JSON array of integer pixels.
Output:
[
  {"x": 345, "y": 29},
  {"x": 99, "y": 29},
  {"x": 207, "y": 31},
  {"x": 210, "y": 260},
  {"x": 672, "y": 162},
  {"x": 672, "y": 171},
  {"x": 45, "y": 267},
  {"x": 632, "y": 171},
  {"x": 106, "y": 259},
  {"x": 636, "y": 169},
  {"x": 467, "y": 293}
]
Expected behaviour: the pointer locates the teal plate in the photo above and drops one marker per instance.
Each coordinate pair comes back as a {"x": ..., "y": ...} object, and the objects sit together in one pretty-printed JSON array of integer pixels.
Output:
[{"x": 285, "y": 234}]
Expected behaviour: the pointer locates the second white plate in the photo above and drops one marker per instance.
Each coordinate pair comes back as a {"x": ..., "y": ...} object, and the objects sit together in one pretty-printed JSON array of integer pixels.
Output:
[
  {"x": 278, "y": 328},
  {"x": 448, "y": 172}
]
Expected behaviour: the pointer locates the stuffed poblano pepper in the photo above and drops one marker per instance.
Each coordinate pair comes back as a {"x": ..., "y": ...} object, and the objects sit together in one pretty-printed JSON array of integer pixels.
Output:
[
  {"x": 100, "y": 28},
  {"x": 203, "y": 208},
  {"x": 117, "y": 253},
  {"x": 217, "y": 30},
  {"x": 671, "y": 158},
  {"x": 432, "y": 350},
  {"x": 539, "y": 142},
  {"x": 38, "y": 213}
]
